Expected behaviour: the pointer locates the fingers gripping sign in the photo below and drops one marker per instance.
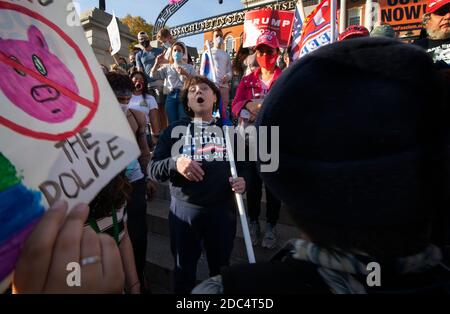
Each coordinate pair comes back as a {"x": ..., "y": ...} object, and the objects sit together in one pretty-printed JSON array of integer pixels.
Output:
[
  {"x": 50, "y": 86},
  {"x": 61, "y": 239}
]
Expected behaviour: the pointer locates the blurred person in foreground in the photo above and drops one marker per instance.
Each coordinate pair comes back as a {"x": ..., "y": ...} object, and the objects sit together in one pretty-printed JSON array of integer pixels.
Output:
[{"x": 364, "y": 173}]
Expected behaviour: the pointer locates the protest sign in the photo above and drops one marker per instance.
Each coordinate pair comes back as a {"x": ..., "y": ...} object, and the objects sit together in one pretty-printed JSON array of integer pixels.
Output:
[
  {"x": 261, "y": 21},
  {"x": 62, "y": 132},
  {"x": 114, "y": 35},
  {"x": 403, "y": 15}
]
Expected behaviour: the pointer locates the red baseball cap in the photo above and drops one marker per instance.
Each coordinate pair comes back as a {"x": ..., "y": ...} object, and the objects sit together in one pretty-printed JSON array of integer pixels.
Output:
[
  {"x": 434, "y": 5},
  {"x": 354, "y": 31},
  {"x": 268, "y": 38}
]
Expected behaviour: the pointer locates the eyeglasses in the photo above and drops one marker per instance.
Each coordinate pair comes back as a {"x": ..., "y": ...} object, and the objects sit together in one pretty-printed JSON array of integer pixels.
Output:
[{"x": 443, "y": 10}]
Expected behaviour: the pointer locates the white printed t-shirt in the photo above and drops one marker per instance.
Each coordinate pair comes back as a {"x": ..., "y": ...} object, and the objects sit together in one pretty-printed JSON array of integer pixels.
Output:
[{"x": 137, "y": 102}]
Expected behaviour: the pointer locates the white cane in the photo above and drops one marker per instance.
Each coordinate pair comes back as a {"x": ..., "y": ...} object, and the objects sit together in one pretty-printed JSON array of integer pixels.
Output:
[{"x": 240, "y": 201}]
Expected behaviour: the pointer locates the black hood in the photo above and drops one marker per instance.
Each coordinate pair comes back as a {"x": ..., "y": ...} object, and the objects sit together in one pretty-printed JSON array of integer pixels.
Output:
[{"x": 362, "y": 134}]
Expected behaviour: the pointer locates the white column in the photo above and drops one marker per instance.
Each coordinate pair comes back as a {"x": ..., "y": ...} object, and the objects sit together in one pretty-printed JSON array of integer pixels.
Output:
[
  {"x": 342, "y": 16},
  {"x": 368, "y": 23},
  {"x": 333, "y": 20}
]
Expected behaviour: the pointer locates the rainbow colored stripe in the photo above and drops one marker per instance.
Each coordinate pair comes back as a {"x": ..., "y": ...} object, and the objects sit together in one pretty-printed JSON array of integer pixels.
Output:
[{"x": 20, "y": 209}]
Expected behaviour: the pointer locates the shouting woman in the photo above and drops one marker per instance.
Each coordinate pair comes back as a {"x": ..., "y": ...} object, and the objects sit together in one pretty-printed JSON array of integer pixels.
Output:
[{"x": 202, "y": 210}]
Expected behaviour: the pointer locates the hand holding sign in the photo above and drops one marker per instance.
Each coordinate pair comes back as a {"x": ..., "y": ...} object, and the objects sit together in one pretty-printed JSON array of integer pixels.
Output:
[
  {"x": 63, "y": 148},
  {"x": 60, "y": 239}
]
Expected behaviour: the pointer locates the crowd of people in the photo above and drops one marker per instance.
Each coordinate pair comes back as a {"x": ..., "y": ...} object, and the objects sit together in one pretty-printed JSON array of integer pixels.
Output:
[{"x": 363, "y": 170}]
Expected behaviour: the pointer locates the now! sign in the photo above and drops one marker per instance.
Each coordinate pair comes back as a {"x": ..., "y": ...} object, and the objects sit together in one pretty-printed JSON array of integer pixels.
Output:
[{"x": 399, "y": 12}]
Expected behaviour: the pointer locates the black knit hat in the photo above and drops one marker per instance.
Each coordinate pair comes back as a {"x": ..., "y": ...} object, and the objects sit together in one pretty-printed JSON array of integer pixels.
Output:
[{"x": 361, "y": 134}]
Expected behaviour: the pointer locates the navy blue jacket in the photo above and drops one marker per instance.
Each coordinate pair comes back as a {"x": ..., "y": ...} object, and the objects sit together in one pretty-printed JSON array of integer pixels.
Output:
[{"x": 215, "y": 188}]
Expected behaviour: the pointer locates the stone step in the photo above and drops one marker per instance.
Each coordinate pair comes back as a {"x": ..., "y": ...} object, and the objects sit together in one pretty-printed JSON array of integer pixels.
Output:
[
  {"x": 239, "y": 249},
  {"x": 163, "y": 191},
  {"x": 158, "y": 213},
  {"x": 163, "y": 194},
  {"x": 160, "y": 264},
  {"x": 159, "y": 279},
  {"x": 159, "y": 267},
  {"x": 158, "y": 253},
  {"x": 159, "y": 257}
]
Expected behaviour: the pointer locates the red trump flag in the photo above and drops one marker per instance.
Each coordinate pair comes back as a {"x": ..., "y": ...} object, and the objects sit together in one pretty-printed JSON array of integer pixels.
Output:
[{"x": 261, "y": 21}]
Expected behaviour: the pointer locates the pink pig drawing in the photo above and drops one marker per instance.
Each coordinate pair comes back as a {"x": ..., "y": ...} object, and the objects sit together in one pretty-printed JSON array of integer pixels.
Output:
[{"x": 39, "y": 100}]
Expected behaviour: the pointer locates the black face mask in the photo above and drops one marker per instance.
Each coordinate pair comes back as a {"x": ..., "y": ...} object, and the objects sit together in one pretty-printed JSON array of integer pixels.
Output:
[{"x": 146, "y": 43}]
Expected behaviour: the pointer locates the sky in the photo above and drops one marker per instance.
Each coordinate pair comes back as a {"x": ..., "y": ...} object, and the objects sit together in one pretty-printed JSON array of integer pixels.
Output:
[{"x": 149, "y": 9}]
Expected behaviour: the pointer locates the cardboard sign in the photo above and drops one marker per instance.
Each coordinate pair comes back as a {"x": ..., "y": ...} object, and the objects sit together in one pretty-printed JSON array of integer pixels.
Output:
[
  {"x": 62, "y": 132},
  {"x": 114, "y": 35},
  {"x": 261, "y": 21},
  {"x": 399, "y": 13}
]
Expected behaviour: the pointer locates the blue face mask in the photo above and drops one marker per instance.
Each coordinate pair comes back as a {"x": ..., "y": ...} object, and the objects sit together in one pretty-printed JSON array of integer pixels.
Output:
[{"x": 177, "y": 56}]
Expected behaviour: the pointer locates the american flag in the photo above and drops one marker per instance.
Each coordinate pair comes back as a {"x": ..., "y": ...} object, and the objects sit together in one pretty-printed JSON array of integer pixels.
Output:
[
  {"x": 207, "y": 70},
  {"x": 316, "y": 30},
  {"x": 297, "y": 32},
  {"x": 223, "y": 112}
]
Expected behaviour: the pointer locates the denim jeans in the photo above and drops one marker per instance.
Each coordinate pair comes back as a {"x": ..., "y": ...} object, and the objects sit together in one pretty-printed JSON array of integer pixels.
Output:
[{"x": 174, "y": 107}]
